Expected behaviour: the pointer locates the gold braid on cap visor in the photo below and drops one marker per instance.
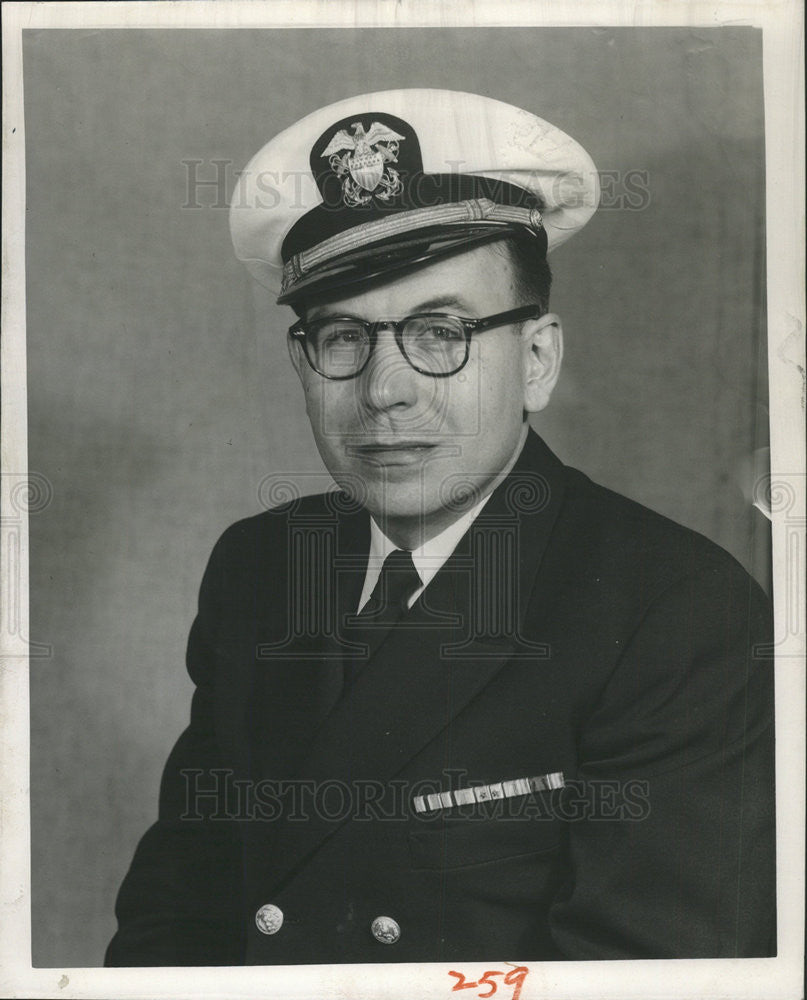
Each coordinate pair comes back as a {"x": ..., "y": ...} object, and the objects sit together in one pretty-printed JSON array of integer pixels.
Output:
[{"x": 403, "y": 223}]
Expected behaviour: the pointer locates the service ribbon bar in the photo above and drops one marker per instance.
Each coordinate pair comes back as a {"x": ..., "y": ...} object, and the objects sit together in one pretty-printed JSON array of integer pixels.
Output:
[{"x": 487, "y": 793}]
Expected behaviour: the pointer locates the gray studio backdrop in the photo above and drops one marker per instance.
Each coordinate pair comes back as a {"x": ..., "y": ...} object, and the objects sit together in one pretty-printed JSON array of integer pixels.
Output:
[{"x": 160, "y": 396}]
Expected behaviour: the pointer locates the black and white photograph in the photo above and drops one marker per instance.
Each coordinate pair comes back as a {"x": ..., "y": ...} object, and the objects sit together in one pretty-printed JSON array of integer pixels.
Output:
[{"x": 403, "y": 500}]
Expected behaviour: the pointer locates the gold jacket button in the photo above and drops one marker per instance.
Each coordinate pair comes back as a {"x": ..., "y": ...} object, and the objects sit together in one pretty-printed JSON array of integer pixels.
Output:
[
  {"x": 269, "y": 918},
  {"x": 386, "y": 930}
]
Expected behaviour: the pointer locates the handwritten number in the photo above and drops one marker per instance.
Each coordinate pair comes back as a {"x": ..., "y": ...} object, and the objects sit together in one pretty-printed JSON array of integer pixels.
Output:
[
  {"x": 515, "y": 977},
  {"x": 489, "y": 982},
  {"x": 461, "y": 984}
]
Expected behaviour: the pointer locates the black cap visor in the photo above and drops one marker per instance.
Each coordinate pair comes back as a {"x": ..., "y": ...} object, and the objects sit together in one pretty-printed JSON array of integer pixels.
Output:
[{"x": 385, "y": 260}]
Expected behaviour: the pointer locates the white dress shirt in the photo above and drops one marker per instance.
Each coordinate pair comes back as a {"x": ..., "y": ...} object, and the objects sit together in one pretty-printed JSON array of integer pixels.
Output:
[{"x": 428, "y": 557}]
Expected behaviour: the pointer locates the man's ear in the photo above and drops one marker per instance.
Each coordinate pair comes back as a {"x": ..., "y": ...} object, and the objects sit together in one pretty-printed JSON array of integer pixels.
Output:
[{"x": 543, "y": 354}]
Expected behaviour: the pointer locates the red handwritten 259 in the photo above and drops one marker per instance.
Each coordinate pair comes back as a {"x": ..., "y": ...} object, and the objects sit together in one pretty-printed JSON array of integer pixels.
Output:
[{"x": 515, "y": 978}]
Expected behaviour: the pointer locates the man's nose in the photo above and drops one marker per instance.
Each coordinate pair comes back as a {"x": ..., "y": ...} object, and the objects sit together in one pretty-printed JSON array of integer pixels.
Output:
[{"x": 389, "y": 380}]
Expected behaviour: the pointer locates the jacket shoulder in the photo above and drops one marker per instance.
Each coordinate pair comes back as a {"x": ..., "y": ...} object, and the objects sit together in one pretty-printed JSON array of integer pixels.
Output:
[
  {"x": 272, "y": 525},
  {"x": 618, "y": 534}
]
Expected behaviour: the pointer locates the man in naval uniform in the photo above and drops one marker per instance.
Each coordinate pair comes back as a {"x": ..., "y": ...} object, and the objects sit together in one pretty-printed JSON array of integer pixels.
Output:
[{"x": 469, "y": 705}]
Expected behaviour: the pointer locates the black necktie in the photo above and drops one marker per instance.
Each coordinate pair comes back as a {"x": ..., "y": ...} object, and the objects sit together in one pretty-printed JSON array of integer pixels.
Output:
[
  {"x": 389, "y": 600},
  {"x": 396, "y": 583}
]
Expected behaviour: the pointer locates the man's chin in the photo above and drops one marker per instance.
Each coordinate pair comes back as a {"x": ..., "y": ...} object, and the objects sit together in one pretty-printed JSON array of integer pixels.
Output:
[
  {"x": 404, "y": 491},
  {"x": 418, "y": 509}
]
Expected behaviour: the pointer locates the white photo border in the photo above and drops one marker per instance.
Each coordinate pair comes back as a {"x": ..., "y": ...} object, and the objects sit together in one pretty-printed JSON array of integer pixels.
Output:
[{"x": 781, "y": 22}]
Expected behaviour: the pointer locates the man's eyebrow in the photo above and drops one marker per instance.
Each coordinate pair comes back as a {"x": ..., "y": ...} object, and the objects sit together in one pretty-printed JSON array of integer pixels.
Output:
[
  {"x": 323, "y": 312},
  {"x": 427, "y": 305},
  {"x": 441, "y": 301}
]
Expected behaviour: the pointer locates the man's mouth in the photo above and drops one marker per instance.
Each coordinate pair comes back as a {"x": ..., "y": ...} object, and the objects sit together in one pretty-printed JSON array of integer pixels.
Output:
[{"x": 392, "y": 451}]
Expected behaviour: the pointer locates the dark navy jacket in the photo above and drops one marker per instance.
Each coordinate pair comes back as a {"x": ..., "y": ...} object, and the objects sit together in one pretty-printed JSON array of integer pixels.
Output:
[{"x": 572, "y": 632}]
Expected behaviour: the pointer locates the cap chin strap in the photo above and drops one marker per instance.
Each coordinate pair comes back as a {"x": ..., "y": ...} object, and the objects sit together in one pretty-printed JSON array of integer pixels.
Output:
[{"x": 358, "y": 259}]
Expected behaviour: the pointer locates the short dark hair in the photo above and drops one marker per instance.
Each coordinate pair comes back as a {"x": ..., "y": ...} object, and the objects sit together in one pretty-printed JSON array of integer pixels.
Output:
[{"x": 533, "y": 278}]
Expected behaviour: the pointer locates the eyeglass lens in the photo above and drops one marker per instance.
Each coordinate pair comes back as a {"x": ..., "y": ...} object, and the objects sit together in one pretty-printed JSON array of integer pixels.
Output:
[{"x": 435, "y": 344}]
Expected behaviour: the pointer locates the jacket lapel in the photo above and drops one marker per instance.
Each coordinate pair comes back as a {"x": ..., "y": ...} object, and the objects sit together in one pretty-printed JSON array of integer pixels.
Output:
[
  {"x": 298, "y": 672},
  {"x": 458, "y": 635}
]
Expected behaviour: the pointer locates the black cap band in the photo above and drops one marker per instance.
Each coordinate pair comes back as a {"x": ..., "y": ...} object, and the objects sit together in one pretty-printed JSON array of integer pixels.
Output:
[{"x": 384, "y": 260}]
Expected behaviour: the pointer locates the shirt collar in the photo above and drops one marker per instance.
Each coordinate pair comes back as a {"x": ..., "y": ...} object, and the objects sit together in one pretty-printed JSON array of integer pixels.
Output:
[{"x": 428, "y": 557}]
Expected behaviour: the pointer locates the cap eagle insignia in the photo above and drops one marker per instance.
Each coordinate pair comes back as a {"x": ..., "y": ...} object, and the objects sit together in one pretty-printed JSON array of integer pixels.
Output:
[{"x": 362, "y": 162}]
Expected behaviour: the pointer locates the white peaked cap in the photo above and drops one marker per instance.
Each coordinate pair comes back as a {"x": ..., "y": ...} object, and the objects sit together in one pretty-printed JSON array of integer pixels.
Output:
[{"x": 385, "y": 180}]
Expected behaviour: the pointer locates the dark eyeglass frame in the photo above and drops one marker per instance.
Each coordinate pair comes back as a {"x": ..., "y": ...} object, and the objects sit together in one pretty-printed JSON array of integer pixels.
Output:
[{"x": 300, "y": 331}]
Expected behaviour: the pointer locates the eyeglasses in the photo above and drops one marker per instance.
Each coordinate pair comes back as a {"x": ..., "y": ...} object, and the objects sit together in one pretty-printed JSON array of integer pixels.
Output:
[{"x": 340, "y": 347}]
